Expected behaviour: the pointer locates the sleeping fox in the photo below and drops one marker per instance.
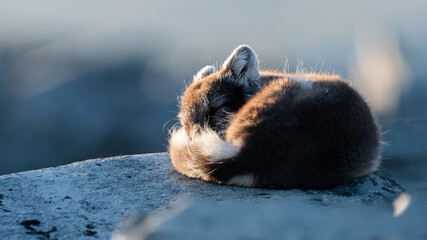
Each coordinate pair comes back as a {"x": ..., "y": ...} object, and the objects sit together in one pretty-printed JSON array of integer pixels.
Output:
[{"x": 266, "y": 129}]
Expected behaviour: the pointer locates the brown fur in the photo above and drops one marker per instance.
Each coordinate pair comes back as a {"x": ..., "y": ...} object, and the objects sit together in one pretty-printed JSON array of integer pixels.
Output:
[{"x": 274, "y": 130}]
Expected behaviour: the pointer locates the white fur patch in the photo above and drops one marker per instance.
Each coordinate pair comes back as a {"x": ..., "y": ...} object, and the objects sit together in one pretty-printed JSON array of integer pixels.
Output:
[
  {"x": 213, "y": 146},
  {"x": 205, "y": 71},
  {"x": 179, "y": 138},
  {"x": 208, "y": 142},
  {"x": 246, "y": 180}
]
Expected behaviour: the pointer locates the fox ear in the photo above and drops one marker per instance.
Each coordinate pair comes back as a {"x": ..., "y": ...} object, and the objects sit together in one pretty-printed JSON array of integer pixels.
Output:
[
  {"x": 243, "y": 65},
  {"x": 205, "y": 71}
]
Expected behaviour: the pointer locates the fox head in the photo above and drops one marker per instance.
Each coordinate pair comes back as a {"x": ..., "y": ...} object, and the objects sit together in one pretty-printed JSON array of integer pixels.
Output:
[{"x": 214, "y": 96}]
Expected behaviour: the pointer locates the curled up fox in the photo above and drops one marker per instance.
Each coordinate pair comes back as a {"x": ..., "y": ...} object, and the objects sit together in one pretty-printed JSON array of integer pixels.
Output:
[{"x": 242, "y": 126}]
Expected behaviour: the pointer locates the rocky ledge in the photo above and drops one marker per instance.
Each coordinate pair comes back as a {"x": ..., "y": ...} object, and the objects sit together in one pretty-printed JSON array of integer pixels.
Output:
[{"x": 141, "y": 196}]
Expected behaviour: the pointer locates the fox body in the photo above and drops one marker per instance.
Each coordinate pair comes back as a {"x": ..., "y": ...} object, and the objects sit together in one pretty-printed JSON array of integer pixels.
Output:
[{"x": 242, "y": 126}]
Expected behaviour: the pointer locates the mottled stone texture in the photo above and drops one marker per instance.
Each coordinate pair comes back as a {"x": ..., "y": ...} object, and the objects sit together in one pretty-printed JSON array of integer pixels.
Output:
[{"x": 94, "y": 198}]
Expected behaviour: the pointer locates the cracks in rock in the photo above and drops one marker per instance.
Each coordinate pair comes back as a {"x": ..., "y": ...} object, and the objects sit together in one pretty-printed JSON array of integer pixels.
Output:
[
  {"x": 89, "y": 232},
  {"x": 28, "y": 224}
]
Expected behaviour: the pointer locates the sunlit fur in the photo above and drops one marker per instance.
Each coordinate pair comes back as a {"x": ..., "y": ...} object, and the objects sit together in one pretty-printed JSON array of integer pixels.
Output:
[{"x": 242, "y": 126}]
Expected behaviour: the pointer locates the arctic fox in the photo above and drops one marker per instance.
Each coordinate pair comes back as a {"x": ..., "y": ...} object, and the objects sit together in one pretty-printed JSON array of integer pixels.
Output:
[{"x": 241, "y": 126}]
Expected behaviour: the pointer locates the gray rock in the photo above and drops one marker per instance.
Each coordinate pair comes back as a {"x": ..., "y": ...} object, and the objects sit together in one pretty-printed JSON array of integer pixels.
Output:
[
  {"x": 94, "y": 198},
  {"x": 286, "y": 220}
]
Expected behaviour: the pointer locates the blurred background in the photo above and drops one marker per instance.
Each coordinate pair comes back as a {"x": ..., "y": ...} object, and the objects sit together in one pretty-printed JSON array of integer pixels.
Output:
[{"x": 81, "y": 80}]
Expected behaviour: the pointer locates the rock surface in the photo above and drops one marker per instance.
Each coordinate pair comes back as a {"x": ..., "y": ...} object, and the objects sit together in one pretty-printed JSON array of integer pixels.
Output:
[
  {"x": 286, "y": 220},
  {"x": 97, "y": 197}
]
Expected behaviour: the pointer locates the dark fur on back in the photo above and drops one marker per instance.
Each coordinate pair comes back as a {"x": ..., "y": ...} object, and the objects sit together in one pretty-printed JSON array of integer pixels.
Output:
[{"x": 273, "y": 130}]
